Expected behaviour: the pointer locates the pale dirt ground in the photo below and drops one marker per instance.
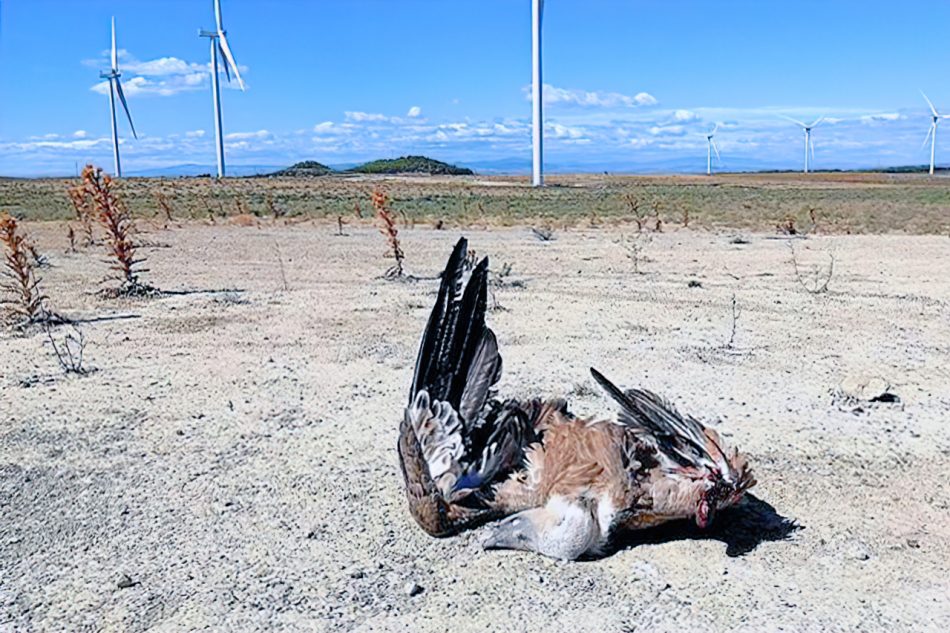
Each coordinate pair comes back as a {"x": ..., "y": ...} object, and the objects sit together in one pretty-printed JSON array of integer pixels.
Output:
[{"x": 235, "y": 458}]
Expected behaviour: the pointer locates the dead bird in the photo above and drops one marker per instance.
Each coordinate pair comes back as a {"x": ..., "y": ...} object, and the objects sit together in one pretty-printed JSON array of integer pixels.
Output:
[{"x": 563, "y": 485}]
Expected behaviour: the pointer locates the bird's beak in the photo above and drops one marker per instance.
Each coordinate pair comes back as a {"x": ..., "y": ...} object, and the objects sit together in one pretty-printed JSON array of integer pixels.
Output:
[
  {"x": 516, "y": 532},
  {"x": 704, "y": 514}
]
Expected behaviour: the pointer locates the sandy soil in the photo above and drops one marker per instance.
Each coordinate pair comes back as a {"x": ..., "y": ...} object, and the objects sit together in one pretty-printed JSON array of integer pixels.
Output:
[{"x": 233, "y": 454}]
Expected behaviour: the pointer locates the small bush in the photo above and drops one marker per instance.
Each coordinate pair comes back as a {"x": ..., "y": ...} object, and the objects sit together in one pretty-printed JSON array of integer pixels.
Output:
[{"x": 119, "y": 227}]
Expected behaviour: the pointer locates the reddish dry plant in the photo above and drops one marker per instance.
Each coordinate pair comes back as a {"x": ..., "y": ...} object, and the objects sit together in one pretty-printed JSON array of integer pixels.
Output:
[
  {"x": 388, "y": 228},
  {"x": 85, "y": 213},
  {"x": 115, "y": 218},
  {"x": 164, "y": 206},
  {"x": 27, "y": 303}
]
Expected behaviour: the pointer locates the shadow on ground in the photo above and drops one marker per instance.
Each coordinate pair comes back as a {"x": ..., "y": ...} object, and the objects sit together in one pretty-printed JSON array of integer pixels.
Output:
[{"x": 742, "y": 528}]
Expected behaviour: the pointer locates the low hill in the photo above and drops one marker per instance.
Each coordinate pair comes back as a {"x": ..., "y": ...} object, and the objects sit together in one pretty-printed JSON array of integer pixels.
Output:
[
  {"x": 305, "y": 168},
  {"x": 411, "y": 165}
]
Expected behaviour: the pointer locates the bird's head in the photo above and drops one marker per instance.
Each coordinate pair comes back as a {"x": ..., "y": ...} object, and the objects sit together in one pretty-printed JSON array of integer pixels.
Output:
[
  {"x": 718, "y": 492},
  {"x": 562, "y": 529}
]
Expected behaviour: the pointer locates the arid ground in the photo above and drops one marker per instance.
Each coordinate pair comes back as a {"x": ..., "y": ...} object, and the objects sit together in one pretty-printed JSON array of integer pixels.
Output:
[{"x": 229, "y": 463}]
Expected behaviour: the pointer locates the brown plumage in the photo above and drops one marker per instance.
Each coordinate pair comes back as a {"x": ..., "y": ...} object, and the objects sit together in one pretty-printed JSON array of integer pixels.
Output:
[{"x": 565, "y": 485}]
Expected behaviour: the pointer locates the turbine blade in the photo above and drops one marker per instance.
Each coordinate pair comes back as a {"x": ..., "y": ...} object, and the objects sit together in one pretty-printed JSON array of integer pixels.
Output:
[
  {"x": 115, "y": 53},
  {"x": 716, "y": 149},
  {"x": 229, "y": 58},
  {"x": 811, "y": 144},
  {"x": 932, "y": 108},
  {"x": 125, "y": 105},
  {"x": 227, "y": 69},
  {"x": 817, "y": 122},
  {"x": 217, "y": 15},
  {"x": 795, "y": 121}
]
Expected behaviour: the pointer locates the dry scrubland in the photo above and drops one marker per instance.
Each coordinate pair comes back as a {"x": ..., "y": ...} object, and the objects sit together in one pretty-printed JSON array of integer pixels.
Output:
[
  {"x": 229, "y": 462},
  {"x": 842, "y": 202}
]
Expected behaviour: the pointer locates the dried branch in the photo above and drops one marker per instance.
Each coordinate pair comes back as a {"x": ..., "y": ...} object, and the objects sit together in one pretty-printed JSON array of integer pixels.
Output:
[
  {"x": 816, "y": 279},
  {"x": 70, "y": 350},
  {"x": 384, "y": 213}
]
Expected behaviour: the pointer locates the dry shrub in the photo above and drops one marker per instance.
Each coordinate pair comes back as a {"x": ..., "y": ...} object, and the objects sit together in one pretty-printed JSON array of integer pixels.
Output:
[
  {"x": 27, "y": 304},
  {"x": 85, "y": 212},
  {"x": 272, "y": 208},
  {"x": 544, "y": 233},
  {"x": 69, "y": 350},
  {"x": 787, "y": 227},
  {"x": 164, "y": 207},
  {"x": 633, "y": 247},
  {"x": 388, "y": 228},
  {"x": 115, "y": 219},
  {"x": 244, "y": 219},
  {"x": 633, "y": 203}
]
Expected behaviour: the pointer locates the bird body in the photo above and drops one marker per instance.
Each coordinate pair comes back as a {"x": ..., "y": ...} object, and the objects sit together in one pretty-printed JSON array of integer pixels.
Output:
[{"x": 563, "y": 485}]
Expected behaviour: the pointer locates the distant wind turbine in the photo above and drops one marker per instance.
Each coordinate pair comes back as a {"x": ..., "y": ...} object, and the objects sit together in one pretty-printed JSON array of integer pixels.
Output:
[
  {"x": 537, "y": 120},
  {"x": 809, "y": 145},
  {"x": 219, "y": 45},
  {"x": 115, "y": 86},
  {"x": 710, "y": 148},
  {"x": 932, "y": 132}
]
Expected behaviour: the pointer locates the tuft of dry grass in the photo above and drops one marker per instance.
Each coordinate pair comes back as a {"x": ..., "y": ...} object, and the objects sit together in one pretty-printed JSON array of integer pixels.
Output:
[
  {"x": 26, "y": 303},
  {"x": 119, "y": 227},
  {"x": 388, "y": 228}
]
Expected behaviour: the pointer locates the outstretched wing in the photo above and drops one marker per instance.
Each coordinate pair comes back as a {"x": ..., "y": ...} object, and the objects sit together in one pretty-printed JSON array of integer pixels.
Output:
[
  {"x": 682, "y": 438},
  {"x": 461, "y": 440}
]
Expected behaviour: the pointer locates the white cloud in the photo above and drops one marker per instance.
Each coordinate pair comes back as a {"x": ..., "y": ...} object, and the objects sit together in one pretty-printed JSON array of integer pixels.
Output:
[
  {"x": 243, "y": 136},
  {"x": 195, "y": 134},
  {"x": 414, "y": 112},
  {"x": 883, "y": 117},
  {"x": 554, "y": 95},
  {"x": 163, "y": 77},
  {"x": 563, "y": 132},
  {"x": 685, "y": 116},
  {"x": 667, "y": 130},
  {"x": 80, "y": 134},
  {"x": 364, "y": 116}
]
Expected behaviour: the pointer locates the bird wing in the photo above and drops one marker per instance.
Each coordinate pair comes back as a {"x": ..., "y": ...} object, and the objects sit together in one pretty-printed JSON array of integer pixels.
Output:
[
  {"x": 462, "y": 440},
  {"x": 681, "y": 438}
]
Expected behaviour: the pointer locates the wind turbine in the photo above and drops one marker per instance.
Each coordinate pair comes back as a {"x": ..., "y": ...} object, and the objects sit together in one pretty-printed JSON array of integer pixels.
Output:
[
  {"x": 932, "y": 132},
  {"x": 219, "y": 45},
  {"x": 115, "y": 86},
  {"x": 537, "y": 120},
  {"x": 710, "y": 148},
  {"x": 808, "y": 142}
]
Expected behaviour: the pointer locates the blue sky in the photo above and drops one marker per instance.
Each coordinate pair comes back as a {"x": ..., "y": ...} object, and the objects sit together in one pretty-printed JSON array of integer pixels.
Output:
[{"x": 630, "y": 84}]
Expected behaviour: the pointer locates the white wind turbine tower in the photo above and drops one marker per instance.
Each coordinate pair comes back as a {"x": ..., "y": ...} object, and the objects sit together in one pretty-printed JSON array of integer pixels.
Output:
[
  {"x": 932, "y": 132},
  {"x": 710, "y": 148},
  {"x": 219, "y": 44},
  {"x": 537, "y": 120},
  {"x": 808, "y": 142},
  {"x": 115, "y": 86}
]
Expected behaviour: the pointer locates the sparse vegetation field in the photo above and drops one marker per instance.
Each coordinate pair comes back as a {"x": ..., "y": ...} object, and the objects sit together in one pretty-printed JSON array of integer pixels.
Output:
[{"x": 827, "y": 202}]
